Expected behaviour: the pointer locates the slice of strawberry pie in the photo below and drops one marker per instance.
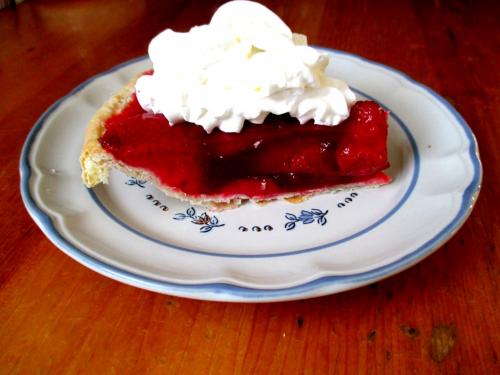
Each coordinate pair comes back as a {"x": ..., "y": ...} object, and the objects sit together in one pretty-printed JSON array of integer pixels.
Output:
[
  {"x": 278, "y": 159},
  {"x": 239, "y": 109}
]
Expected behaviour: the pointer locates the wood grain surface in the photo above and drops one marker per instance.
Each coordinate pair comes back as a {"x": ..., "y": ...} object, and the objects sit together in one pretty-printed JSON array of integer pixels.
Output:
[{"x": 440, "y": 316}]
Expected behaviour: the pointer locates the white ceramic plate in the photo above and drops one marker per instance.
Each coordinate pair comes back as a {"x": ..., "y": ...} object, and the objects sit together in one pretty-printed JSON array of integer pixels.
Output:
[{"x": 130, "y": 232}]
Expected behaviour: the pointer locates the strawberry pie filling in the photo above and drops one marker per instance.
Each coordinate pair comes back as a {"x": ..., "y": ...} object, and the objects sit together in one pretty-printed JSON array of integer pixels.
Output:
[{"x": 262, "y": 161}]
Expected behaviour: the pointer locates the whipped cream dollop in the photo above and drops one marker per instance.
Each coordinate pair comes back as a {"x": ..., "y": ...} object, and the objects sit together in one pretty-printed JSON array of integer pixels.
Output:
[{"x": 243, "y": 65}]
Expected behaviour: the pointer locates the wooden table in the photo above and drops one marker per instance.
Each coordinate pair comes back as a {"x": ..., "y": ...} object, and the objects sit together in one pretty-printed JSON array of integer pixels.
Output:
[{"x": 441, "y": 316}]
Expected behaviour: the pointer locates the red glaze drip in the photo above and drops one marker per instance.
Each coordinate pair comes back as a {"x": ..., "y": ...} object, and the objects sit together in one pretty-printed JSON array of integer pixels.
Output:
[{"x": 281, "y": 156}]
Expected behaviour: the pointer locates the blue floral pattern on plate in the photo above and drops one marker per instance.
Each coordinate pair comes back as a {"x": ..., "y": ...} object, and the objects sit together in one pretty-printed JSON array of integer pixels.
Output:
[
  {"x": 135, "y": 182},
  {"x": 207, "y": 222},
  {"x": 306, "y": 217}
]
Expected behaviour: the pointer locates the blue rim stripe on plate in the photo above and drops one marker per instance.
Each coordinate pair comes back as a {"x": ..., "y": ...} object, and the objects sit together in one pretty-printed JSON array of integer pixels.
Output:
[
  {"x": 224, "y": 291},
  {"x": 404, "y": 198}
]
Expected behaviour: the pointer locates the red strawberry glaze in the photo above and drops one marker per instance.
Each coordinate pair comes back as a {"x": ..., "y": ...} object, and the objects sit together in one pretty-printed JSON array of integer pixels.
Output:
[{"x": 261, "y": 161}]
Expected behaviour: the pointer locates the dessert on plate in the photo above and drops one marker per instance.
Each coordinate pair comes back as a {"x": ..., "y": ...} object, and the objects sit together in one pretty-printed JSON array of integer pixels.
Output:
[{"x": 239, "y": 109}]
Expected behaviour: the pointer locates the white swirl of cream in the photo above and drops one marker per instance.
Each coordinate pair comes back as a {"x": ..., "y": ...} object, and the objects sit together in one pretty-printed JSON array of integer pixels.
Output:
[{"x": 243, "y": 65}]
